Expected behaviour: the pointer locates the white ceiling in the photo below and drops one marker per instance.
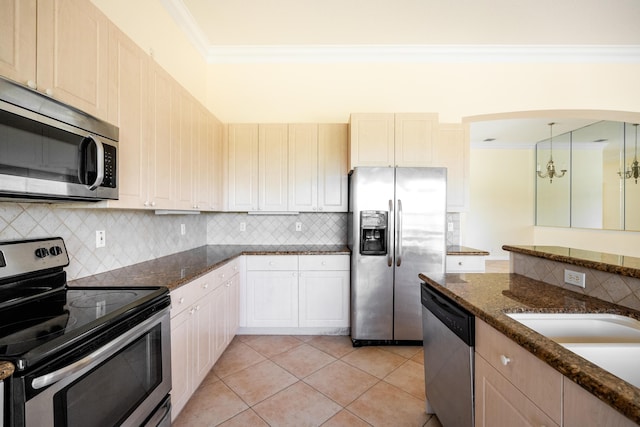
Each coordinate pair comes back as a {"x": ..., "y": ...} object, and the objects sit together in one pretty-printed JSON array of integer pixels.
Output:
[{"x": 406, "y": 29}]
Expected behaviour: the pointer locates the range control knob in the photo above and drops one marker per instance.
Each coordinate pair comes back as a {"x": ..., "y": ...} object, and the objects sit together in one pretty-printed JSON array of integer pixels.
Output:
[
  {"x": 42, "y": 252},
  {"x": 55, "y": 250}
]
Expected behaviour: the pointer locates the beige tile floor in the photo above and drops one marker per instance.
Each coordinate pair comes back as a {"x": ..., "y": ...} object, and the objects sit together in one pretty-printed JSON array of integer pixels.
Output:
[{"x": 311, "y": 381}]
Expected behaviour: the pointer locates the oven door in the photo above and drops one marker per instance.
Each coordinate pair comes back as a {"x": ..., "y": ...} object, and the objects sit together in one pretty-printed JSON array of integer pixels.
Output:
[{"x": 125, "y": 382}]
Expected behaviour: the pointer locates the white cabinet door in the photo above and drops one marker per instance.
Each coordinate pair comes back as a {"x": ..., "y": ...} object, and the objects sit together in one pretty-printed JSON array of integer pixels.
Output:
[
  {"x": 303, "y": 167},
  {"x": 18, "y": 41},
  {"x": 452, "y": 151},
  {"x": 218, "y": 323},
  {"x": 202, "y": 338},
  {"x": 243, "y": 167},
  {"x": 272, "y": 298},
  {"x": 333, "y": 169},
  {"x": 415, "y": 134},
  {"x": 324, "y": 298},
  {"x": 372, "y": 140},
  {"x": 181, "y": 356},
  {"x": 272, "y": 169},
  {"x": 232, "y": 312}
]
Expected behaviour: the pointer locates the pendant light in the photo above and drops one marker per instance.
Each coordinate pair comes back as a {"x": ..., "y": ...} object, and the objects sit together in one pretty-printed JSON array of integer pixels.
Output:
[
  {"x": 634, "y": 170},
  {"x": 551, "y": 168}
]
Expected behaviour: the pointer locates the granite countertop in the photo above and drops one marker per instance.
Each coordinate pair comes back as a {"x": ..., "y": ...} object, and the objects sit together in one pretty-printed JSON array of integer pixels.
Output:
[
  {"x": 490, "y": 295},
  {"x": 611, "y": 263},
  {"x": 175, "y": 270},
  {"x": 465, "y": 250},
  {"x": 6, "y": 370}
]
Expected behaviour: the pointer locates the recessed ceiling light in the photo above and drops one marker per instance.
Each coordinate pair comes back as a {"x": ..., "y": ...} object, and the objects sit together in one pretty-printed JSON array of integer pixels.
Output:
[
  {"x": 601, "y": 140},
  {"x": 488, "y": 140}
]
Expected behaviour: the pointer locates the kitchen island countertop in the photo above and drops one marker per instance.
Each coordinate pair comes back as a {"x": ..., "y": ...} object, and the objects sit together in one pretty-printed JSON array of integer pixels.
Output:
[
  {"x": 6, "y": 370},
  {"x": 490, "y": 295},
  {"x": 465, "y": 250},
  {"x": 177, "y": 269}
]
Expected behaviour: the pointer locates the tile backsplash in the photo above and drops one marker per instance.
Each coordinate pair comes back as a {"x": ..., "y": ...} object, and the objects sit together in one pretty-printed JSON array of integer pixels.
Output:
[
  {"x": 609, "y": 287},
  {"x": 137, "y": 236}
]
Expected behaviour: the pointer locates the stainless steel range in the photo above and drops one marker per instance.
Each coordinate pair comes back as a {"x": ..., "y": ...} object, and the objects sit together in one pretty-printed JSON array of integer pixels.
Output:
[{"x": 83, "y": 356}]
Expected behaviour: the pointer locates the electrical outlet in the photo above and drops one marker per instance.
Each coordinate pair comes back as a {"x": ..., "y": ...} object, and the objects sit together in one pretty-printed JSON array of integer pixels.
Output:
[
  {"x": 450, "y": 226},
  {"x": 243, "y": 226},
  {"x": 574, "y": 278},
  {"x": 298, "y": 226},
  {"x": 183, "y": 230},
  {"x": 101, "y": 239}
]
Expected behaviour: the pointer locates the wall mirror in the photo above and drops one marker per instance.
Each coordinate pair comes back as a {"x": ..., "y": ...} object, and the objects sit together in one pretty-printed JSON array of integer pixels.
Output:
[{"x": 599, "y": 189}]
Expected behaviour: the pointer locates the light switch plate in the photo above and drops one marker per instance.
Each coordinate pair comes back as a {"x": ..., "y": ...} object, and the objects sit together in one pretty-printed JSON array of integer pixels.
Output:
[{"x": 101, "y": 238}]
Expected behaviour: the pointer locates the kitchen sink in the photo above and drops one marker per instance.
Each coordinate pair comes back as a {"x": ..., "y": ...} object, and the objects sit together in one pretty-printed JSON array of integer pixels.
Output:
[{"x": 607, "y": 340}]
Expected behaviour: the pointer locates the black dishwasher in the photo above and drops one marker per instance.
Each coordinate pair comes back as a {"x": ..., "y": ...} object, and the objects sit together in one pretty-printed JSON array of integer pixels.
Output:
[{"x": 448, "y": 331}]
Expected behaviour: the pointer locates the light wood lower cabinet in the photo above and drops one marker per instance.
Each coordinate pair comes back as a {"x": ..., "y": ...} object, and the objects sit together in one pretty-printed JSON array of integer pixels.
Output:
[
  {"x": 204, "y": 319},
  {"x": 512, "y": 386},
  {"x": 581, "y": 408}
]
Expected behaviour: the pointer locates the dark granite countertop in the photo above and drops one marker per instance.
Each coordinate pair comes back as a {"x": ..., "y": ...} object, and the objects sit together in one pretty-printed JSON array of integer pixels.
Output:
[
  {"x": 175, "y": 270},
  {"x": 611, "y": 263},
  {"x": 6, "y": 370},
  {"x": 490, "y": 295},
  {"x": 465, "y": 250}
]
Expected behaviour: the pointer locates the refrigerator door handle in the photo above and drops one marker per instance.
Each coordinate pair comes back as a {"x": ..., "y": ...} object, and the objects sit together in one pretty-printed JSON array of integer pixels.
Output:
[
  {"x": 389, "y": 258},
  {"x": 399, "y": 230}
]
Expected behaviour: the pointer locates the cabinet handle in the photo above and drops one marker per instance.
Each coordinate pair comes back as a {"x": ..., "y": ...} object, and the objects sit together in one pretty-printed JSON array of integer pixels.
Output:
[
  {"x": 181, "y": 300},
  {"x": 323, "y": 263},
  {"x": 228, "y": 284},
  {"x": 197, "y": 308},
  {"x": 49, "y": 92},
  {"x": 505, "y": 360},
  {"x": 205, "y": 286},
  {"x": 153, "y": 203},
  {"x": 193, "y": 310},
  {"x": 459, "y": 262},
  {"x": 146, "y": 203},
  {"x": 32, "y": 84},
  {"x": 222, "y": 276}
]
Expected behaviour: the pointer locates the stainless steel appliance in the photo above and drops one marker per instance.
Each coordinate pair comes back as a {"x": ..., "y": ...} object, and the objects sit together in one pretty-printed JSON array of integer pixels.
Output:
[
  {"x": 50, "y": 151},
  {"x": 396, "y": 230},
  {"x": 449, "y": 332},
  {"x": 83, "y": 356}
]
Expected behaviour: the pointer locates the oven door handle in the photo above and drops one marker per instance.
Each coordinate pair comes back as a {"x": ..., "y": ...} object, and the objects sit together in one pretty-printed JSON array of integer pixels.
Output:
[{"x": 99, "y": 355}]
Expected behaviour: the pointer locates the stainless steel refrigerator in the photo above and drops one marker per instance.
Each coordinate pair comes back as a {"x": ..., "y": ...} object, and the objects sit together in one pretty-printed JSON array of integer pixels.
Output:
[{"x": 396, "y": 230}]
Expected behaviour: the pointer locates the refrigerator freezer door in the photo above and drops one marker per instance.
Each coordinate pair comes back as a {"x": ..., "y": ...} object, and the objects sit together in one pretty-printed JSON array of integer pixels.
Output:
[
  {"x": 371, "y": 189},
  {"x": 420, "y": 198}
]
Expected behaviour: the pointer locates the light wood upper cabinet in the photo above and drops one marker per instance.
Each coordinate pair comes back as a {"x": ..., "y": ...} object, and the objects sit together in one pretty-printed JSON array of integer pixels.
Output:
[
  {"x": 303, "y": 167},
  {"x": 18, "y": 40},
  {"x": 72, "y": 52},
  {"x": 451, "y": 150},
  {"x": 415, "y": 134},
  {"x": 273, "y": 167},
  {"x": 128, "y": 109},
  {"x": 372, "y": 140},
  {"x": 161, "y": 173},
  {"x": 242, "y": 150},
  {"x": 333, "y": 170},
  {"x": 58, "y": 47}
]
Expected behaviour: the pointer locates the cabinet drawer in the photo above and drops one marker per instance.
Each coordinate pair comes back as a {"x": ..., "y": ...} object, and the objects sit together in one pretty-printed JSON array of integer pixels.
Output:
[
  {"x": 188, "y": 294},
  {"x": 323, "y": 262},
  {"x": 272, "y": 262},
  {"x": 465, "y": 263},
  {"x": 537, "y": 380},
  {"x": 227, "y": 271}
]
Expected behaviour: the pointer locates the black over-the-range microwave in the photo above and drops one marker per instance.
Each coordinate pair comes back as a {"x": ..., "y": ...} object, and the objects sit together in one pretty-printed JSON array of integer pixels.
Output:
[{"x": 50, "y": 151}]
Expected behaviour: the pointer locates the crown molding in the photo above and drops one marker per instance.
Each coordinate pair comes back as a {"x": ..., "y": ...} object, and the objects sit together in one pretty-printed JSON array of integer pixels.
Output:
[
  {"x": 414, "y": 53},
  {"x": 424, "y": 54}
]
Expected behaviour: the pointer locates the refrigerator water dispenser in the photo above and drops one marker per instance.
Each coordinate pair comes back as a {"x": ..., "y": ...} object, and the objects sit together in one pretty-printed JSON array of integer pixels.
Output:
[{"x": 373, "y": 233}]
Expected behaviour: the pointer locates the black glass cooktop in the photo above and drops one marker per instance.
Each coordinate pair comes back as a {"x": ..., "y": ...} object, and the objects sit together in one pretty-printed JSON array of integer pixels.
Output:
[{"x": 54, "y": 320}]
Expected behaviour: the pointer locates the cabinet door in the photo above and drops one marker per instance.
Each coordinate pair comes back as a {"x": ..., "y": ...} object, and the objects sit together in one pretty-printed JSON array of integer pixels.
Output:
[
  {"x": 414, "y": 138},
  {"x": 181, "y": 356},
  {"x": 581, "y": 408},
  {"x": 72, "y": 54},
  {"x": 498, "y": 403},
  {"x": 303, "y": 167},
  {"x": 452, "y": 151},
  {"x": 217, "y": 165},
  {"x": 128, "y": 106},
  {"x": 333, "y": 170},
  {"x": 18, "y": 41},
  {"x": 202, "y": 159},
  {"x": 218, "y": 322},
  {"x": 324, "y": 298},
  {"x": 233, "y": 308},
  {"x": 161, "y": 172},
  {"x": 272, "y": 298},
  {"x": 182, "y": 146},
  {"x": 243, "y": 167},
  {"x": 372, "y": 140},
  {"x": 272, "y": 169},
  {"x": 202, "y": 338}
]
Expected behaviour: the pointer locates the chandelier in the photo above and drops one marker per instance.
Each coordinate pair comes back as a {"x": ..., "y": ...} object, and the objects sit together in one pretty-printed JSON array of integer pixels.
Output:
[
  {"x": 551, "y": 167},
  {"x": 633, "y": 171}
]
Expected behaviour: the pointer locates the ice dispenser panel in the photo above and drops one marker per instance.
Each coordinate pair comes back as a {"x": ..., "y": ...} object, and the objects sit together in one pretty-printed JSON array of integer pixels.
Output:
[{"x": 373, "y": 232}]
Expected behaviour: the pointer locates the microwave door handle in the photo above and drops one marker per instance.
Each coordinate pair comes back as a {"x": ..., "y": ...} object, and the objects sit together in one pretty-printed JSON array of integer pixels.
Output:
[
  {"x": 389, "y": 257},
  {"x": 99, "y": 161},
  {"x": 399, "y": 231}
]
